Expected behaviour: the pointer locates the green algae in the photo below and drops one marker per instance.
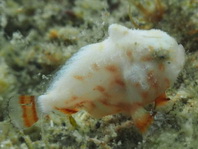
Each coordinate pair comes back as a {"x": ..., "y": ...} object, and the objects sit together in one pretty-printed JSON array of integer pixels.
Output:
[{"x": 37, "y": 37}]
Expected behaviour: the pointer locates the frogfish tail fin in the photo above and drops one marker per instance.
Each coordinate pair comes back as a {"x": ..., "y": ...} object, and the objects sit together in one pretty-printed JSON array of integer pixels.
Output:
[{"x": 23, "y": 111}]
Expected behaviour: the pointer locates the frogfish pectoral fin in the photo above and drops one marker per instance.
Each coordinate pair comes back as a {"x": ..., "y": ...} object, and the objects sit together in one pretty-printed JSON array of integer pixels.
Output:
[
  {"x": 161, "y": 100},
  {"x": 69, "y": 113},
  {"x": 142, "y": 119},
  {"x": 67, "y": 110}
]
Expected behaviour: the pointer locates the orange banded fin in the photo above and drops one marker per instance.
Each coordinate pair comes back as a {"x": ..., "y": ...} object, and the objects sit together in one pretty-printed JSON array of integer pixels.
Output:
[
  {"x": 142, "y": 119},
  {"x": 28, "y": 106},
  {"x": 161, "y": 100}
]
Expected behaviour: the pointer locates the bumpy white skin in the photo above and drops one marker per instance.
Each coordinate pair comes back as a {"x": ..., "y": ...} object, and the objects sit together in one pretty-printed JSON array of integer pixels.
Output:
[{"x": 126, "y": 71}]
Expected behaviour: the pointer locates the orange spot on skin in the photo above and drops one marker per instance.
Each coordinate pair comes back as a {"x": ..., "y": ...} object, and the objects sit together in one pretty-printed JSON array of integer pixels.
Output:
[
  {"x": 100, "y": 88},
  {"x": 66, "y": 111},
  {"x": 129, "y": 54},
  {"x": 102, "y": 91},
  {"x": 80, "y": 78},
  {"x": 92, "y": 104},
  {"x": 144, "y": 122},
  {"x": 95, "y": 67},
  {"x": 146, "y": 58},
  {"x": 105, "y": 102},
  {"x": 28, "y": 109},
  {"x": 111, "y": 68},
  {"x": 161, "y": 67},
  {"x": 120, "y": 82},
  {"x": 161, "y": 100}
]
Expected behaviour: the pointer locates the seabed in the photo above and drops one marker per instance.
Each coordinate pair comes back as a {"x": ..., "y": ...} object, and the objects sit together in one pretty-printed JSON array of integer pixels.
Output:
[{"x": 37, "y": 37}]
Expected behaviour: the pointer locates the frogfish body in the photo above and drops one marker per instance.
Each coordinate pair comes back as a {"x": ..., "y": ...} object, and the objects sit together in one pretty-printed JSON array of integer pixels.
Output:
[{"x": 122, "y": 74}]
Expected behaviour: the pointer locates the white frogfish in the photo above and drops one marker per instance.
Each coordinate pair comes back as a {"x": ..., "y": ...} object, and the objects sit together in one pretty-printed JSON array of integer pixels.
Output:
[{"x": 122, "y": 74}]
